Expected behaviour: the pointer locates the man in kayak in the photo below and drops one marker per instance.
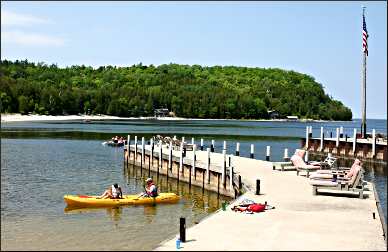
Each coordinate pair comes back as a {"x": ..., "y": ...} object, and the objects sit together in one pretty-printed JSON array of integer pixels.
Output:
[
  {"x": 113, "y": 192},
  {"x": 150, "y": 190}
]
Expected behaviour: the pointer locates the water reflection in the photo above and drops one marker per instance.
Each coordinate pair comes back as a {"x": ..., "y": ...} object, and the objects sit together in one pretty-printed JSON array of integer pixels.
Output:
[{"x": 192, "y": 197}]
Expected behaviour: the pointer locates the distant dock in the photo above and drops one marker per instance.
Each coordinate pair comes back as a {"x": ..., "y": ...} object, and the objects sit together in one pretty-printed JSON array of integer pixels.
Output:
[
  {"x": 371, "y": 149},
  {"x": 300, "y": 220}
]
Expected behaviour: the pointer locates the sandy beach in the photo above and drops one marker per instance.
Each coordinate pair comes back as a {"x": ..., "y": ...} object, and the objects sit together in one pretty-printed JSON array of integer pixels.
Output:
[
  {"x": 25, "y": 118},
  {"x": 17, "y": 117}
]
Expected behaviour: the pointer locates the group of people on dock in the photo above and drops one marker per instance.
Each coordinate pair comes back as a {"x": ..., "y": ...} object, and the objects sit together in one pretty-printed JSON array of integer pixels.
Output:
[{"x": 117, "y": 139}]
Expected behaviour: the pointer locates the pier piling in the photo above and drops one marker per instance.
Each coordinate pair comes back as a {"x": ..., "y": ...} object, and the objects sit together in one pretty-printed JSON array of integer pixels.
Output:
[
  {"x": 201, "y": 144},
  {"x": 257, "y": 186},
  {"x": 212, "y": 146},
  {"x": 223, "y": 167},
  {"x": 135, "y": 149},
  {"x": 194, "y": 160},
  {"x": 237, "y": 149},
  {"x": 322, "y": 138},
  {"x": 182, "y": 229},
  {"x": 286, "y": 158},
  {"x": 307, "y": 136},
  {"x": 268, "y": 154},
  {"x": 252, "y": 151},
  {"x": 208, "y": 166}
]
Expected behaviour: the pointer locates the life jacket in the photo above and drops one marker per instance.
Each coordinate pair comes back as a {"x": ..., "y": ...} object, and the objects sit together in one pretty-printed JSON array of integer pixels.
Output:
[
  {"x": 115, "y": 192},
  {"x": 154, "y": 191}
]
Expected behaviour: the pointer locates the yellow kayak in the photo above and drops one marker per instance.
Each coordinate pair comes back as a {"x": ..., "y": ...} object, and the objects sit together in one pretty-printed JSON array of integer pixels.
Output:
[{"x": 90, "y": 201}]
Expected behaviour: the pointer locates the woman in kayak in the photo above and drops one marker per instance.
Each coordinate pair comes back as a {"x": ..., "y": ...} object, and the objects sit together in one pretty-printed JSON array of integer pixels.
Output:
[
  {"x": 113, "y": 192},
  {"x": 150, "y": 190}
]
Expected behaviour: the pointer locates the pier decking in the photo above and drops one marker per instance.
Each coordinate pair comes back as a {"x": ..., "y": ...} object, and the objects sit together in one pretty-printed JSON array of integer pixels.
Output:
[{"x": 300, "y": 220}]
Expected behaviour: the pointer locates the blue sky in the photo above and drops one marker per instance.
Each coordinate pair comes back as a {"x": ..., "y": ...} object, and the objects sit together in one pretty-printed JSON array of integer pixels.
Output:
[{"x": 322, "y": 39}]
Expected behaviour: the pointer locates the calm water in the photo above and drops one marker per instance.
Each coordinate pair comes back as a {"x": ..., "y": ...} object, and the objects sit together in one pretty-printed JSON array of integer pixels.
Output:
[{"x": 42, "y": 161}]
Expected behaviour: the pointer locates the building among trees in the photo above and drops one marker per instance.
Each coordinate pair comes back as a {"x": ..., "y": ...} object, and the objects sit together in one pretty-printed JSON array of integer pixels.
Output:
[{"x": 162, "y": 112}]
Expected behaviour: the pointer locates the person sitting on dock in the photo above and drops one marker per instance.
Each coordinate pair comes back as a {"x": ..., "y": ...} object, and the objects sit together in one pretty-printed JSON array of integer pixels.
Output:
[
  {"x": 150, "y": 190},
  {"x": 113, "y": 192}
]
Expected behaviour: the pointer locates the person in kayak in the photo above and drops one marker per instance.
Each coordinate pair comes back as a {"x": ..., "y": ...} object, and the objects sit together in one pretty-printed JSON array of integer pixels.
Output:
[
  {"x": 150, "y": 190},
  {"x": 113, "y": 192}
]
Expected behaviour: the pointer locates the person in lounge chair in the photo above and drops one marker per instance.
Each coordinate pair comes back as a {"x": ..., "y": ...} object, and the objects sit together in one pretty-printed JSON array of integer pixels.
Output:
[{"x": 340, "y": 174}]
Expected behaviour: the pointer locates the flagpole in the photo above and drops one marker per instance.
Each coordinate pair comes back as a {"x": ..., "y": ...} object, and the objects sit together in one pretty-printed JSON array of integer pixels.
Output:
[{"x": 363, "y": 125}]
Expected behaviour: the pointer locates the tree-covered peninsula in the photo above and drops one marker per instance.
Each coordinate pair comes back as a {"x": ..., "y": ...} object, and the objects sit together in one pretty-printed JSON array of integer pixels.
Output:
[{"x": 189, "y": 91}]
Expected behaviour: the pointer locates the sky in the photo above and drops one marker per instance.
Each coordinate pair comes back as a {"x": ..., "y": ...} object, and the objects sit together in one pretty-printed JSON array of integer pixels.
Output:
[{"x": 321, "y": 39}]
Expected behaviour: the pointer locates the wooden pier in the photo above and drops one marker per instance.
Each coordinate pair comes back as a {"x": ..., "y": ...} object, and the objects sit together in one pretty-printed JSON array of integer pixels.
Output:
[
  {"x": 196, "y": 168},
  {"x": 300, "y": 220},
  {"x": 372, "y": 149}
]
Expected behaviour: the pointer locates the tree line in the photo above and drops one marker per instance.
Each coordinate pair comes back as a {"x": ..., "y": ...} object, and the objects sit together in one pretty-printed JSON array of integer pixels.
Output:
[{"x": 189, "y": 91}]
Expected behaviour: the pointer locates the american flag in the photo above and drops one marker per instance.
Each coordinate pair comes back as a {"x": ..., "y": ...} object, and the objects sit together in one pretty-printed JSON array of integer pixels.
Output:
[{"x": 364, "y": 36}]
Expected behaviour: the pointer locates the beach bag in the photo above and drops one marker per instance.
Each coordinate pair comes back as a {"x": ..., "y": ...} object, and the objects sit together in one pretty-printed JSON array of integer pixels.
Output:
[{"x": 256, "y": 208}]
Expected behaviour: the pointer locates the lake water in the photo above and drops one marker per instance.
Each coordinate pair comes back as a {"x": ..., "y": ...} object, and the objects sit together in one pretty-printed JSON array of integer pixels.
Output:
[{"x": 42, "y": 161}]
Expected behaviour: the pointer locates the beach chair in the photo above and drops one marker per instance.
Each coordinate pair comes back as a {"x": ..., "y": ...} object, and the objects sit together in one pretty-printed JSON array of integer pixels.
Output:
[
  {"x": 341, "y": 172},
  {"x": 300, "y": 165},
  {"x": 330, "y": 162},
  {"x": 354, "y": 184}
]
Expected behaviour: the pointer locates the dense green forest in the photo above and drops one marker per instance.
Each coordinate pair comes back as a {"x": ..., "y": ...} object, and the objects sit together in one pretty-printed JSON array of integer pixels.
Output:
[{"x": 189, "y": 91}]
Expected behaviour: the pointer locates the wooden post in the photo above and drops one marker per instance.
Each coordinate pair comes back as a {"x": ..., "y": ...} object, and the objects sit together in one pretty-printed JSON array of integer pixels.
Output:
[
  {"x": 337, "y": 138},
  {"x": 170, "y": 157},
  {"x": 307, "y": 137},
  {"x": 322, "y": 139},
  {"x": 223, "y": 167},
  {"x": 268, "y": 153},
  {"x": 142, "y": 157},
  {"x": 208, "y": 166},
  {"x": 373, "y": 142},
  {"x": 160, "y": 155},
  {"x": 224, "y": 146},
  {"x": 218, "y": 184},
  {"x": 203, "y": 180},
  {"x": 212, "y": 146},
  {"x": 306, "y": 157},
  {"x": 182, "y": 229},
  {"x": 230, "y": 178},
  {"x": 354, "y": 141},
  {"x": 128, "y": 149},
  {"x": 257, "y": 186},
  {"x": 192, "y": 140},
  {"x": 152, "y": 152},
  {"x": 286, "y": 158},
  {"x": 181, "y": 158},
  {"x": 252, "y": 151},
  {"x": 341, "y": 132},
  {"x": 183, "y": 139},
  {"x": 194, "y": 159},
  {"x": 201, "y": 144},
  {"x": 311, "y": 131},
  {"x": 237, "y": 149},
  {"x": 135, "y": 150},
  {"x": 150, "y": 158}
]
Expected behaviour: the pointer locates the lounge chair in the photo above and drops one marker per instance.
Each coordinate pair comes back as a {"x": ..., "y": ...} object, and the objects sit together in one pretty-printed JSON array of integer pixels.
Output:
[
  {"x": 354, "y": 184},
  {"x": 343, "y": 173},
  {"x": 329, "y": 162},
  {"x": 300, "y": 165}
]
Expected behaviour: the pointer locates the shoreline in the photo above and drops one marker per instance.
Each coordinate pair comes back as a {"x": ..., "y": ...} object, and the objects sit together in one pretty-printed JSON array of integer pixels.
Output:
[{"x": 17, "y": 117}]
